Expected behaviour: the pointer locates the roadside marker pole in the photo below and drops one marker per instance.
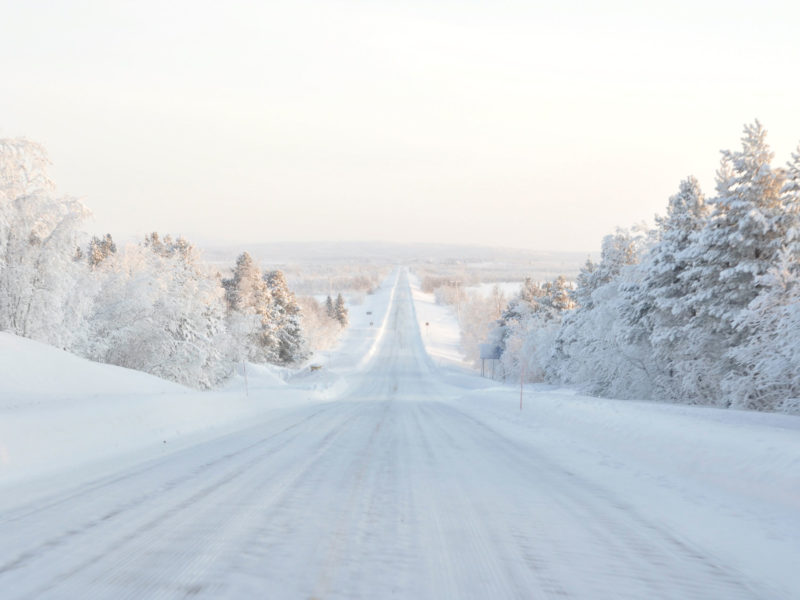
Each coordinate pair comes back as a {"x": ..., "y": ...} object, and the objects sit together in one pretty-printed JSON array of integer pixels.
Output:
[
  {"x": 244, "y": 370},
  {"x": 521, "y": 380}
]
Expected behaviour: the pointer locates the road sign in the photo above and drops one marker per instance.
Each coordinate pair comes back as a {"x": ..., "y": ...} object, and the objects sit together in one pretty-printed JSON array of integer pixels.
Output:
[{"x": 489, "y": 351}]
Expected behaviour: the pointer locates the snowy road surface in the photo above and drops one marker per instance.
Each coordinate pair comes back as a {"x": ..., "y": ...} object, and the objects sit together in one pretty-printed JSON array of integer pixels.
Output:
[{"x": 391, "y": 491}]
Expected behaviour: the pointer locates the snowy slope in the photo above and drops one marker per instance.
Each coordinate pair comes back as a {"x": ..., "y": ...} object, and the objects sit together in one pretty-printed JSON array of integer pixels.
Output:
[
  {"x": 61, "y": 414},
  {"x": 31, "y": 372}
]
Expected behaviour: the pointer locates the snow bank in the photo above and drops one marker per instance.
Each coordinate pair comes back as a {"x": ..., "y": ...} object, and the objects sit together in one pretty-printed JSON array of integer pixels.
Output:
[
  {"x": 62, "y": 414},
  {"x": 32, "y": 373}
]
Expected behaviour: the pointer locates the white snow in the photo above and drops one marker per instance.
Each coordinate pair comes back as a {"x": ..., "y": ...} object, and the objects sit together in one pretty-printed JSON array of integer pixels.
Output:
[
  {"x": 438, "y": 326},
  {"x": 509, "y": 288},
  {"x": 62, "y": 415},
  {"x": 418, "y": 480}
]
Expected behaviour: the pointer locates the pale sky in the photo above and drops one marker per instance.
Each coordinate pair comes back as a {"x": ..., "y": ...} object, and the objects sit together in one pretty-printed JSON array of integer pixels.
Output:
[{"x": 512, "y": 123}]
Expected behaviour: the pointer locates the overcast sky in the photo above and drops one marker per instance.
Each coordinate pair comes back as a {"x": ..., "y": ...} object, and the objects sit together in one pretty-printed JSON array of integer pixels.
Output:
[{"x": 508, "y": 123}]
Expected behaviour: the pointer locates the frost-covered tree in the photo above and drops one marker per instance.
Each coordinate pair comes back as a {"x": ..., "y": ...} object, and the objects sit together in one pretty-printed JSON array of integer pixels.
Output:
[
  {"x": 100, "y": 249},
  {"x": 736, "y": 248},
  {"x": 159, "y": 310},
  {"x": 527, "y": 327},
  {"x": 768, "y": 361},
  {"x": 286, "y": 315},
  {"x": 320, "y": 330},
  {"x": 340, "y": 311},
  {"x": 38, "y": 236},
  {"x": 329, "y": 308},
  {"x": 251, "y": 312},
  {"x": 592, "y": 347},
  {"x": 767, "y": 376},
  {"x": 659, "y": 309}
]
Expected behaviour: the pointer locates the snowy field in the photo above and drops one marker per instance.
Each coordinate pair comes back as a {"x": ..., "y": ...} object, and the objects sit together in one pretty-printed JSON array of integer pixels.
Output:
[
  {"x": 509, "y": 288},
  {"x": 389, "y": 472},
  {"x": 438, "y": 326}
]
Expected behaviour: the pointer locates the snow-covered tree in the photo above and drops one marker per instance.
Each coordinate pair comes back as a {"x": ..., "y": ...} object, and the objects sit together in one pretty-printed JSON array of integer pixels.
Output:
[
  {"x": 593, "y": 346},
  {"x": 286, "y": 316},
  {"x": 251, "y": 312},
  {"x": 340, "y": 311},
  {"x": 38, "y": 236},
  {"x": 768, "y": 361},
  {"x": 660, "y": 313},
  {"x": 736, "y": 248},
  {"x": 320, "y": 330},
  {"x": 329, "y": 308},
  {"x": 100, "y": 249},
  {"x": 767, "y": 376},
  {"x": 526, "y": 329},
  {"x": 160, "y": 311}
]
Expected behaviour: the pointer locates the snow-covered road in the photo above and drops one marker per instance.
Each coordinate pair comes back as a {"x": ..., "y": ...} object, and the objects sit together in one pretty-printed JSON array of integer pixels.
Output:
[{"x": 390, "y": 491}]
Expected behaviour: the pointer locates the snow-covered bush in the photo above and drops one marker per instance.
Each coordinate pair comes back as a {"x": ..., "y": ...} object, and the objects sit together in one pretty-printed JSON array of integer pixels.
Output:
[{"x": 160, "y": 311}]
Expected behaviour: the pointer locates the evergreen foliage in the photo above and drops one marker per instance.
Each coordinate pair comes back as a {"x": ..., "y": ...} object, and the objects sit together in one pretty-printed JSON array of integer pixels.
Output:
[
  {"x": 340, "y": 311},
  {"x": 286, "y": 318},
  {"x": 100, "y": 249},
  {"x": 704, "y": 309}
]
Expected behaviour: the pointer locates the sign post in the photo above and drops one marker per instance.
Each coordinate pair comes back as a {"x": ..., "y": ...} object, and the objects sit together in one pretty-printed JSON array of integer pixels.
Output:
[{"x": 488, "y": 352}]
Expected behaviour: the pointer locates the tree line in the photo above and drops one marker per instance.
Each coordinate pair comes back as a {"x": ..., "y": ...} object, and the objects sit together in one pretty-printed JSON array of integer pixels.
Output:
[
  {"x": 153, "y": 306},
  {"x": 704, "y": 308}
]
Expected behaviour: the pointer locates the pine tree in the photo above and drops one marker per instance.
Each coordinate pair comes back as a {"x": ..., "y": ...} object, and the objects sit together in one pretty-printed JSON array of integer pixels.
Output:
[
  {"x": 732, "y": 253},
  {"x": 100, "y": 249},
  {"x": 341, "y": 312},
  {"x": 329, "y": 308},
  {"x": 768, "y": 362},
  {"x": 286, "y": 315},
  {"x": 251, "y": 311},
  {"x": 659, "y": 301}
]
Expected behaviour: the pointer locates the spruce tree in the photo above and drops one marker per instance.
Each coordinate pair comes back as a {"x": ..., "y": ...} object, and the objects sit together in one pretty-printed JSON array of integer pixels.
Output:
[
  {"x": 733, "y": 252},
  {"x": 329, "y": 308},
  {"x": 252, "y": 314},
  {"x": 100, "y": 249},
  {"x": 286, "y": 315},
  {"x": 660, "y": 305},
  {"x": 341, "y": 311}
]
